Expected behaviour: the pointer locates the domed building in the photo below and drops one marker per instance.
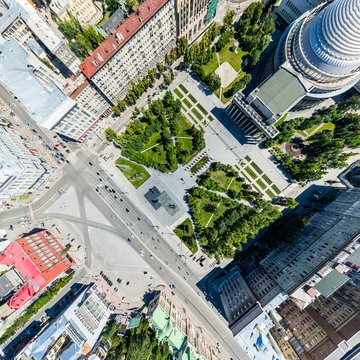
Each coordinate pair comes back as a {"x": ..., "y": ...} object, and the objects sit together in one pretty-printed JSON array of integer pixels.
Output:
[{"x": 318, "y": 57}]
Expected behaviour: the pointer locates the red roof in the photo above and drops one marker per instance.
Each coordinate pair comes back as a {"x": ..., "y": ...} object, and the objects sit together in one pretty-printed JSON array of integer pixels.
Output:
[
  {"x": 38, "y": 259},
  {"x": 79, "y": 89},
  {"x": 111, "y": 45}
]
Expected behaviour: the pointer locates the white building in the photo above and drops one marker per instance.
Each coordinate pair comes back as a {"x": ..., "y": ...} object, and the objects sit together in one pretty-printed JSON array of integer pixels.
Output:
[
  {"x": 132, "y": 49},
  {"x": 22, "y": 21},
  {"x": 20, "y": 170},
  {"x": 34, "y": 86}
]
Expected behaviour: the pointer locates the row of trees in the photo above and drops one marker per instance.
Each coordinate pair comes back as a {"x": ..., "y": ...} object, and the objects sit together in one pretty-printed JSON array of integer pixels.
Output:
[
  {"x": 81, "y": 40},
  {"x": 137, "y": 344},
  {"x": 324, "y": 149},
  {"x": 161, "y": 117}
]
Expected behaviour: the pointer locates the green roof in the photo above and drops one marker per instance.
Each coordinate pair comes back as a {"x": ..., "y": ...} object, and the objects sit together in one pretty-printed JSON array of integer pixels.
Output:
[
  {"x": 331, "y": 282},
  {"x": 160, "y": 318},
  {"x": 280, "y": 91}
]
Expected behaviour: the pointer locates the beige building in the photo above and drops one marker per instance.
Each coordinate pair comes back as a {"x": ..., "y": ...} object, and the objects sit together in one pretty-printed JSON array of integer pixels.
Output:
[
  {"x": 132, "y": 49},
  {"x": 193, "y": 16},
  {"x": 83, "y": 10},
  {"x": 19, "y": 31}
]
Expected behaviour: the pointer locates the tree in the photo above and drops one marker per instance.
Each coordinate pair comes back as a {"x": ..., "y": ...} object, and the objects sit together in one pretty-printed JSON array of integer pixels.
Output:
[
  {"x": 167, "y": 80},
  {"x": 210, "y": 208},
  {"x": 228, "y": 19},
  {"x": 152, "y": 74},
  {"x": 183, "y": 45},
  {"x": 288, "y": 202},
  {"x": 264, "y": 43},
  {"x": 213, "y": 81},
  {"x": 160, "y": 67},
  {"x": 121, "y": 105},
  {"x": 168, "y": 59},
  {"x": 115, "y": 110},
  {"x": 254, "y": 58},
  {"x": 110, "y": 134},
  {"x": 112, "y": 5}
]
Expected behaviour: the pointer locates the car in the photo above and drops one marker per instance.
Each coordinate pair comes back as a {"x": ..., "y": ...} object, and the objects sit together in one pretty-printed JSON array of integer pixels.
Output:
[
  {"x": 161, "y": 269},
  {"x": 67, "y": 150},
  {"x": 34, "y": 131},
  {"x": 138, "y": 218},
  {"x": 128, "y": 282},
  {"x": 100, "y": 179},
  {"x": 127, "y": 210},
  {"x": 101, "y": 272},
  {"x": 129, "y": 240},
  {"x": 151, "y": 257},
  {"x": 172, "y": 293},
  {"x": 119, "y": 280},
  {"x": 97, "y": 189},
  {"x": 106, "y": 187},
  {"x": 116, "y": 289},
  {"x": 98, "y": 173},
  {"x": 115, "y": 197},
  {"x": 145, "y": 272},
  {"x": 90, "y": 163}
]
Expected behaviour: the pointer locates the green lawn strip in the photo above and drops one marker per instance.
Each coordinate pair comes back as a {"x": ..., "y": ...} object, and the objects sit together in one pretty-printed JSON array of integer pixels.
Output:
[
  {"x": 183, "y": 88},
  {"x": 184, "y": 125},
  {"x": 24, "y": 197},
  {"x": 200, "y": 164},
  {"x": 250, "y": 172},
  {"x": 280, "y": 121},
  {"x": 178, "y": 93},
  {"x": 302, "y": 133},
  {"x": 192, "y": 98},
  {"x": 255, "y": 187},
  {"x": 211, "y": 118},
  {"x": 236, "y": 186},
  {"x": 192, "y": 118},
  {"x": 248, "y": 158},
  {"x": 202, "y": 109},
  {"x": 267, "y": 179},
  {"x": 311, "y": 130},
  {"x": 270, "y": 193},
  {"x": 35, "y": 307},
  {"x": 184, "y": 108},
  {"x": 234, "y": 59},
  {"x": 237, "y": 167},
  {"x": 187, "y": 103},
  {"x": 132, "y": 169},
  {"x": 258, "y": 170},
  {"x": 327, "y": 126},
  {"x": 221, "y": 178},
  {"x": 261, "y": 184},
  {"x": 225, "y": 99},
  {"x": 245, "y": 176},
  {"x": 179, "y": 231},
  {"x": 276, "y": 189},
  {"x": 197, "y": 114},
  {"x": 205, "y": 216},
  {"x": 104, "y": 19},
  {"x": 211, "y": 66}
]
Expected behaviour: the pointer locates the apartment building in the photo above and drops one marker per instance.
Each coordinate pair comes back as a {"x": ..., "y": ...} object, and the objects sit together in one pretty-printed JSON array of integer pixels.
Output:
[
  {"x": 85, "y": 11},
  {"x": 132, "y": 49},
  {"x": 194, "y": 16},
  {"x": 42, "y": 92},
  {"x": 19, "y": 19}
]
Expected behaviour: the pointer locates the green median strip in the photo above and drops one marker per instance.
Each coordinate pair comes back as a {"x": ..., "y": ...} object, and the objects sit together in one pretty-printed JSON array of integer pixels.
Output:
[
  {"x": 261, "y": 184},
  {"x": 197, "y": 114},
  {"x": 250, "y": 172},
  {"x": 187, "y": 103},
  {"x": 258, "y": 170},
  {"x": 248, "y": 158},
  {"x": 245, "y": 176},
  {"x": 270, "y": 193},
  {"x": 178, "y": 93},
  {"x": 211, "y": 118},
  {"x": 202, "y": 109},
  {"x": 192, "y": 98},
  {"x": 267, "y": 179},
  {"x": 258, "y": 190},
  {"x": 276, "y": 189},
  {"x": 183, "y": 88}
]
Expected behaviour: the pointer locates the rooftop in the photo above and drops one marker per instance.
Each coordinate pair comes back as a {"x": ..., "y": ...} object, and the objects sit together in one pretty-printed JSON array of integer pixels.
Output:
[
  {"x": 115, "y": 20},
  {"x": 331, "y": 282},
  {"x": 119, "y": 37}
]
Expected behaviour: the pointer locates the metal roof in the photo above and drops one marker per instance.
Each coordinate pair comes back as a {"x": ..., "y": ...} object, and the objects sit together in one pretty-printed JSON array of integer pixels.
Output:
[
  {"x": 280, "y": 91},
  {"x": 331, "y": 282},
  {"x": 354, "y": 258}
]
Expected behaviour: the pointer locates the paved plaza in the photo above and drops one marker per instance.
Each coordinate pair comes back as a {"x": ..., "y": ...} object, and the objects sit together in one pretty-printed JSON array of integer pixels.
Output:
[{"x": 227, "y": 74}]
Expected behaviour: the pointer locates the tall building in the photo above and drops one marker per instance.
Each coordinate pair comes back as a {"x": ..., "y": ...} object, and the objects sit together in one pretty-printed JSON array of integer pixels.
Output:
[
  {"x": 20, "y": 170},
  {"x": 42, "y": 92},
  {"x": 85, "y": 11},
  {"x": 194, "y": 16},
  {"x": 21, "y": 20},
  {"x": 290, "y": 10},
  {"x": 39, "y": 259},
  {"x": 318, "y": 57},
  {"x": 132, "y": 49},
  {"x": 73, "y": 334}
]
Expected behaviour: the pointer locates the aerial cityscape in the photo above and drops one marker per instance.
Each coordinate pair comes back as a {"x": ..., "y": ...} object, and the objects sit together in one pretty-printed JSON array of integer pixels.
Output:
[{"x": 180, "y": 179}]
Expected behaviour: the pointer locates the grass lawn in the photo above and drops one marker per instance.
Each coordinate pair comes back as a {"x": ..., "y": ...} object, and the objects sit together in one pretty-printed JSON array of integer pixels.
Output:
[
  {"x": 186, "y": 144},
  {"x": 104, "y": 19},
  {"x": 179, "y": 232},
  {"x": 221, "y": 178},
  {"x": 192, "y": 99},
  {"x": 205, "y": 216},
  {"x": 250, "y": 172},
  {"x": 200, "y": 164},
  {"x": 236, "y": 186},
  {"x": 327, "y": 126},
  {"x": 234, "y": 59},
  {"x": 276, "y": 189},
  {"x": 154, "y": 139},
  {"x": 197, "y": 114},
  {"x": 187, "y": 103},
  {"x": 178, "y": 93},
  {"x": 157, "y": 153},
  {"x": 258, "y": 170},
  {"x": 267, "y": 179},
  {"x": 184, "y": 125},
  {"x": 183, "y": 88},
  {"x": 311, "y": 130},
  {"x": 303, "y": 133},
  {"x": 211, "y": 66},
  {"x": 270, "y": 193},
  {"x": 202, "y": 109},
  {"x": 219, "y": 212},
  {"x": 224, "y": 98},
  {"x": 131, "y": 170},
  {"x": 261, "y": 184},
  {"x": 280, "y": 121}
]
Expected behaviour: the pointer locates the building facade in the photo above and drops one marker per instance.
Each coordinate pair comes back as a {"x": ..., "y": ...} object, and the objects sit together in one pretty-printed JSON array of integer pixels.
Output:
[
  {"x": 290, "y": 10},
  {"x": 311, "y": 66},
  {"x": 194, "y": 16},
  {"x": 20, "y": 170},
  {"x": 132, "y": 49},
  {"x": 73, "y": 334},
  {"x": 85, "y": 11}
]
